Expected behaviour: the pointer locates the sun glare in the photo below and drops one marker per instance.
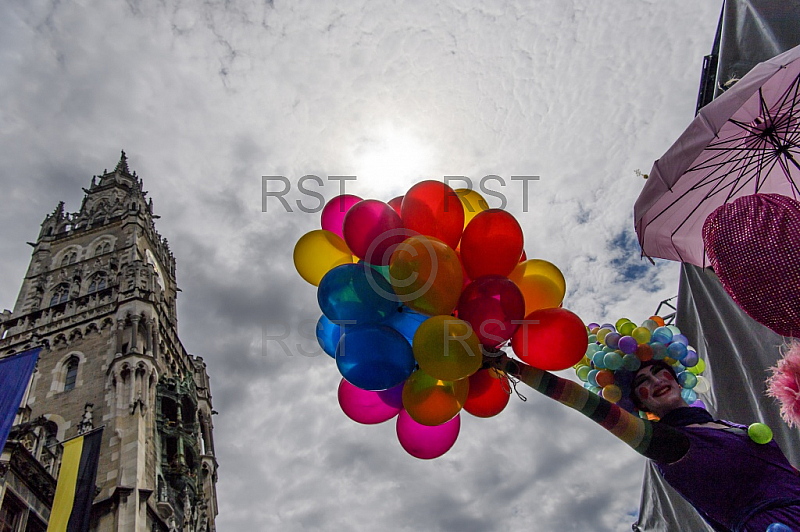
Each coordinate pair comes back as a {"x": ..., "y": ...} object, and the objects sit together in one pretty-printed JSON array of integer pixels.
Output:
[{"x": 391, "y": 154}]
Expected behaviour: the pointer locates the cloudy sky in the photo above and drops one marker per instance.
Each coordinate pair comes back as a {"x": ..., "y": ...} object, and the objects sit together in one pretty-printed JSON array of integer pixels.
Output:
[{"x": 206, "y": 98}]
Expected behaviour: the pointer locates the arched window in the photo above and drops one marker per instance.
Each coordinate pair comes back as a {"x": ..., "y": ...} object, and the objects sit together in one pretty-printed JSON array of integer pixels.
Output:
[
  {"x": 73, "y": 257},
  {"x": 106, "y": 247},
  {"x": 65, "y": 260},
  {"x": 99, "y": 282},
  {"x": 60, "y": 294},
  {"x": 72, "y": 373},
  {"x": 50, "y": 434}
]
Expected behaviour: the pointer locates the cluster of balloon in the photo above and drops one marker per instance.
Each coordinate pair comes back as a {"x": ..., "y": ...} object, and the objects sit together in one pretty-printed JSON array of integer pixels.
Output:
[
  {"x": 413, "y": 291},
  {"x": 615, "y": 352}
]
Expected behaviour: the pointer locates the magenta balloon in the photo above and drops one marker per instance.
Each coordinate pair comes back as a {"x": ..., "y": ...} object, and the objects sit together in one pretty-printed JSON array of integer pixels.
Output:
[
  {"x": 494, "y": 306},
  {"x": 368, "y": 407},
  {"x": 334, "y": 212},
  {"x": 372, "y": 229},
  {"x": 422, "y": 441}
]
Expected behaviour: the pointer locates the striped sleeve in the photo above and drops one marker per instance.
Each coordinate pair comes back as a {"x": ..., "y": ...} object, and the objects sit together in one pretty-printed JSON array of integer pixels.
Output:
[{"x": 656, "y": 441}]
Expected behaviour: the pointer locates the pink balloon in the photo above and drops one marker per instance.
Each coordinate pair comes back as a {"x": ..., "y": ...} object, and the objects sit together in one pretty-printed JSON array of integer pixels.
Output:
[
  {"x": 372, "y": 229},
  {"x": 334, "y": 211},
  {"x": 367, "y": 407},
  {"x": 396, "y": 204},
  {"x": 426, "y": 442},
  {"x": 493, "y": 306}
]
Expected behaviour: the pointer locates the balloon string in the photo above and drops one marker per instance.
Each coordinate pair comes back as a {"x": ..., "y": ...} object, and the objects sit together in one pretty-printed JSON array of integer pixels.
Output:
[{"x": 512, "y": 386}]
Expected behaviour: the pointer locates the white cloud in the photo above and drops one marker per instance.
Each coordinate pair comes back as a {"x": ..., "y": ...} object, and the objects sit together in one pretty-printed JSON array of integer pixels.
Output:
[{"x": 206, "y": 98}]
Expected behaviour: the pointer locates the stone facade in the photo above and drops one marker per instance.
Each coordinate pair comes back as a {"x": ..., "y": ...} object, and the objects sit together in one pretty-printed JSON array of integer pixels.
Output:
[{"x": 100, "y": 297}]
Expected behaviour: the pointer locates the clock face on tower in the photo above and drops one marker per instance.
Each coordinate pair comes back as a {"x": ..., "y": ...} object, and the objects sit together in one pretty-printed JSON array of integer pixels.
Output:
[{"x": 152, "y": 260}]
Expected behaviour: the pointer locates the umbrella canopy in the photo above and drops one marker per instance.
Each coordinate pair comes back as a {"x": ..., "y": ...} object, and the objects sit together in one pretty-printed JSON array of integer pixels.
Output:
[{"x": 744, "y": 142}]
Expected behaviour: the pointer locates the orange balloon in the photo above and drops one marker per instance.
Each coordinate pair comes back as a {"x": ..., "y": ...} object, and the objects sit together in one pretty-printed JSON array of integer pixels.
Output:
[
  {"x": 426, "y": 275},
  {"x": 659, "y": 320},
  {"x": 431, "y": 401},
  {"x": 604, "y": 377},
  {"x": 542, "y": 284},
  {"x": 644, "y": 352}
]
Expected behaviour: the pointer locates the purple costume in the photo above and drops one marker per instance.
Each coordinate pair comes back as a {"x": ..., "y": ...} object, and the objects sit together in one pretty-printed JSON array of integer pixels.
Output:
[{"x": 735, "y": 483}]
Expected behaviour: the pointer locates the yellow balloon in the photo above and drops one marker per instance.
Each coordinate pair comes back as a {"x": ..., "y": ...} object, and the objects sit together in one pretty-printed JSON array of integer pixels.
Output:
[
  {"x": 542, "y": 284},
  {"x": 641, "y": 334},
  {"x": 612, "y": 393},
  {"x": 317, "y": 252},
  {"x": 698, "y": 368},
  {"x": 473, "y": 203},
  {"x": 447, "y": 348},
  {"x": 431, "y": 401}
]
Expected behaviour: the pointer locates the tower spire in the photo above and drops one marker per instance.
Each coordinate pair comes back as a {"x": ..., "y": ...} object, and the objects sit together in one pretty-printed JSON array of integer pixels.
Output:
[{"x": 122, "y": 165}]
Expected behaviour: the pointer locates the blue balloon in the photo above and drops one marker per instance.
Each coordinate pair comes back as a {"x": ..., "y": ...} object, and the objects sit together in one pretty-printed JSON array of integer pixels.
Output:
[
  {"x": 631, "y": 362},
  {"x": 374, "y": 357},
  {"x": 406, "y": 322},
  {"x": 662, "y": 335},
  {"x": 659, "y": 350},
  {"x": 691, "y": 359},
  {"x": 612, "y": 361},
  {"x": 778, "y": 527},
  {"x": 677, "y": 351},
  {"x": 690, "y": 396},
  {"x": 687, "y": 380},
  {"x": 355, "y": 294},
  {"x": 598, "y": 359},
  {"x": 328, "y": 334},
  {"x": 680, "y": 338}
]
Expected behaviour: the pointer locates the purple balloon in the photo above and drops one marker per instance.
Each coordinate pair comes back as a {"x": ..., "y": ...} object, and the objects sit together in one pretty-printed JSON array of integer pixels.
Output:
[
  {"x": 592, "y": 325},
  {"x": 422, "y": 441},
  {"x": 699, "y": 404},
  {"x": 628, "y": 344},
  {"x": 494, "y": 307},
  {"x": 334, "y": 211},
  {"x": 367, "y": 407}
]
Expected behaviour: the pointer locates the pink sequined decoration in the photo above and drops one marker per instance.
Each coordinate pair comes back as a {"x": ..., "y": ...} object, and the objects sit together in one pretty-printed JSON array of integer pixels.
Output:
[{"x": 753, "y": 244}]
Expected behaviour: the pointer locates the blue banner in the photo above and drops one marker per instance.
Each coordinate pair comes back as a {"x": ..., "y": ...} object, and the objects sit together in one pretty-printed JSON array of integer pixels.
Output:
[{"x": 15, "y": 373}]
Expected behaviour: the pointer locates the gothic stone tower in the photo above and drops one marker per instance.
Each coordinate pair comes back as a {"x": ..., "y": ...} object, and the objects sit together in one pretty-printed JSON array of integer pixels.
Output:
[{"x": 100, "y": 295}]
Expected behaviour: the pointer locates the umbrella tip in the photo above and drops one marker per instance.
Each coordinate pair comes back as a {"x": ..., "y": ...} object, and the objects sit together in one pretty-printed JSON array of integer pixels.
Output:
[{"x": 640, "y": 174}]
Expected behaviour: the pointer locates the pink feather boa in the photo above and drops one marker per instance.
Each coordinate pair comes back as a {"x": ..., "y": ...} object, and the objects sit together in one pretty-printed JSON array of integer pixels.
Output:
[{"x": 784, "y": 385}]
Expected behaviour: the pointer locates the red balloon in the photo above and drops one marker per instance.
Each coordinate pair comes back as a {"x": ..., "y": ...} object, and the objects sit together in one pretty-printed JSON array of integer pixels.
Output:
[
  {"x": 489, "y": 392},
  {"x": 524, "y": 257},
  {"x": 550, "y": 339},
  {"x": 396, "y": 204},
  {"x": 492, "y": 244},
  {"x": 493, "y": 306},
  {"x": 372, "y": 229},
  {"x": 334, "y": 212},
  {"x": 422, "y": 441},
  {"x": 432, "y": 208}
]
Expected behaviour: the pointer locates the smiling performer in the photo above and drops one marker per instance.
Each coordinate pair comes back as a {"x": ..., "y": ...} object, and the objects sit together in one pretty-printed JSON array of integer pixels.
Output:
[{"x": 733, "y": 482}]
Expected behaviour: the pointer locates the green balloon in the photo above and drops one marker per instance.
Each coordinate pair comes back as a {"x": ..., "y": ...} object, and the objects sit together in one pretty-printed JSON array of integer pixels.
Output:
[{"x": 760, "y": 433}]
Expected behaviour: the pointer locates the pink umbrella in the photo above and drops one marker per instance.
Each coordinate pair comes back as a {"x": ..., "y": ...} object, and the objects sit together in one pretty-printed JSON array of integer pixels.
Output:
[{"x": 744, "y": 142}]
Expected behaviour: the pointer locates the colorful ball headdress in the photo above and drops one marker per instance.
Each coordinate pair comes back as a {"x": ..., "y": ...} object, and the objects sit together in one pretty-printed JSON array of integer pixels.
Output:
[{"x": 615, "y": 352}]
